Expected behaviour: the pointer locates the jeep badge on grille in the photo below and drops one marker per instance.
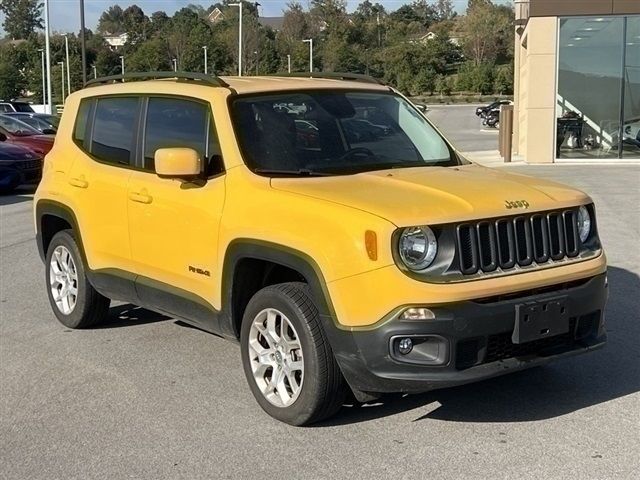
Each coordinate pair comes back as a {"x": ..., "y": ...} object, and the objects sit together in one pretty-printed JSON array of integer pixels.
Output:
[{"x": 516, "y": 204}]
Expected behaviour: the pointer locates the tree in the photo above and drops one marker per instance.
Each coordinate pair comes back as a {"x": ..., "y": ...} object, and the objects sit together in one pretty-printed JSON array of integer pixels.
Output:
[
  {"x": 503, "y": 82},
  {"x": 485, "y": 29},
  {"x": 136, "y": 24},
  {"x": 444, "y": 10},
  {"x": 22, "y": 17},
  {"x": 111, "y": 21},
  {"x": 11, "y": 82}
]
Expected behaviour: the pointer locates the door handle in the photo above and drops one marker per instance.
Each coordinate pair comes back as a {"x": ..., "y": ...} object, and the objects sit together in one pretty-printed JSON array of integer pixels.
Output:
[
  {"x": 79, "y": 182},
  {"x": 141, "y": 197}
]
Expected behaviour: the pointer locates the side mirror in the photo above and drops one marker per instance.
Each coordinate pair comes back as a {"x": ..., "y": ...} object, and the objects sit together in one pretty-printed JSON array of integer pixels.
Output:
[
  {"x": 3, "y": 137},
  {"x": 177, "y": 163},
  {"x": 49, "y": 131},
  {"x": 423, "y": 108}
]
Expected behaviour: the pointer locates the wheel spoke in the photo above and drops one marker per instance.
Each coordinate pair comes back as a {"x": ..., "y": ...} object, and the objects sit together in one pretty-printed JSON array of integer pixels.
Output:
[{"x": 275, "y": 356}]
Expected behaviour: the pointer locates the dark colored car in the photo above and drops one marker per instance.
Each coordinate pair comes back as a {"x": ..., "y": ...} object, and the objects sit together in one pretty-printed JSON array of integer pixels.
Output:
[
  {"x": 43, "y": 122},
  {"x": 483, "y": 111},
  {"x": 6, "y": 107},
  {"x": 19, "y": 133},
  {"x": 18, "y": 166}
]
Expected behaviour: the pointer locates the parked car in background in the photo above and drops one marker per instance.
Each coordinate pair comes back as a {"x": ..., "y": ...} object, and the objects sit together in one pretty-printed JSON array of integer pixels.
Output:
[
  {"x": 45, "y": 123},
  {"x": 18, "y": 166},
  {"x": 18, "y": 132},
  {"x": 483, "y": 111},
  {"x": 6, "y": 106}
]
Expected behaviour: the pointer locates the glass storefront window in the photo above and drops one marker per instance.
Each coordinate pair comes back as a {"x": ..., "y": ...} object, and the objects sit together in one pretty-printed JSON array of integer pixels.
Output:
[
  {"x": 598, "y": 87},
  {"x": 631, "y": 123}
]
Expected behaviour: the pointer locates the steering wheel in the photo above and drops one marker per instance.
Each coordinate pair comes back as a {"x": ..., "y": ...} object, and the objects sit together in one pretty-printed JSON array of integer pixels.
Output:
[{"x": 357, "y": 151}]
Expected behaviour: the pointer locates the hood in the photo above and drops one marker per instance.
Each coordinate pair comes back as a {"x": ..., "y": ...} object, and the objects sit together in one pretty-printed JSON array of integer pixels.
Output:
[
  {"x": 435, "y": 195},
  {"x": 16, "y": 152}
]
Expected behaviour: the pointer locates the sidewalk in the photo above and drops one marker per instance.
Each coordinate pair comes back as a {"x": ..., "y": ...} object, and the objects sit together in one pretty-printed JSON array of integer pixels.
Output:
[{"x": 491, "y": 158}]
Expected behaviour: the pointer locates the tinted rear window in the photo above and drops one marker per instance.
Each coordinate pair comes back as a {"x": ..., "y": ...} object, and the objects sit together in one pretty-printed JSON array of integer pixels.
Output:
[
  {"x": 114, "y": 129},
  {"x": 82, "y": 120}
]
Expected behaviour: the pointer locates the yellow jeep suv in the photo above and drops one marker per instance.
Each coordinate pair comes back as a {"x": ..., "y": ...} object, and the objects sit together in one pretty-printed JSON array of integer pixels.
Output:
[{"x": 322, "y": 223}]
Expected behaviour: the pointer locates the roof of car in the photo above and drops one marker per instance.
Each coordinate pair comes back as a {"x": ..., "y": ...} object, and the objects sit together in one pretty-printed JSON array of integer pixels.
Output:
[
  {"x": 241, "y": 85},
  {"x": 271, "y": 84}
]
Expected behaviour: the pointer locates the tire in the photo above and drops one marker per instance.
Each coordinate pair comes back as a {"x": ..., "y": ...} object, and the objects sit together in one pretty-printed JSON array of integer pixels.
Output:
[
  {"x": 87, "y": 307},
  {"x": 321, "y": 388}
]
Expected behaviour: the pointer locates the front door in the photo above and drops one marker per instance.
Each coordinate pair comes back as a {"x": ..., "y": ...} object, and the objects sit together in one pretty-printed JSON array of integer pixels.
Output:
[{"x": 173, "y": 223}]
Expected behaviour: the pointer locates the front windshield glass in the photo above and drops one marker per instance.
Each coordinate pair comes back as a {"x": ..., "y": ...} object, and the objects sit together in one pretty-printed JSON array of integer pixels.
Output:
[
  {"x": 17, "y": 127},
  {"x": 335, "y": 132}
]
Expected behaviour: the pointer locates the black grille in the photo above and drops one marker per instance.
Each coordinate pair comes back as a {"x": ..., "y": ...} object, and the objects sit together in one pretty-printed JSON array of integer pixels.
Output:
[
  {"x": 29, "y": 164},
  {"x": 506, "y": 242}
]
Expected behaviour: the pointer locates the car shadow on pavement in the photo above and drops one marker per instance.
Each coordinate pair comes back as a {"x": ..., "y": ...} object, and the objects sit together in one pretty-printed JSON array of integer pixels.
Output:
[
  {"x": 539, "y": 393},
  {"x": 22, "y": 194},
  {"x": 128, "y": 315}
]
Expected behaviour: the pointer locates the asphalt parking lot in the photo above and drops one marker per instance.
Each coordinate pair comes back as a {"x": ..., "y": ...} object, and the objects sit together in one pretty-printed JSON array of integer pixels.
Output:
[
  {"x": 148, "y": 397},
  {"x": 463, "y": 128}
]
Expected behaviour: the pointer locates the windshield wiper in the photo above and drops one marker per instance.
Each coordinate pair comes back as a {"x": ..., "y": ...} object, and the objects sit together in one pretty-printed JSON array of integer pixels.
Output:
[{"x": 302, "y": 172}]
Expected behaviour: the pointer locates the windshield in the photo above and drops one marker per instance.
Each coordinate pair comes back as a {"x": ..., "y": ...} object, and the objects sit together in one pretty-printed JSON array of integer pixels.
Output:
[
  {"x": 335, "y": 132},
  {"x": 17, "y": 127}
]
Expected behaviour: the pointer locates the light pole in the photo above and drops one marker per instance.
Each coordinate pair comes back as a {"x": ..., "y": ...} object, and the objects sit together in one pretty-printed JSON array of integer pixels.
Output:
[
  {"x": 310, "y": 42},
  {"x": 63, "y": 96},
  {"x": 83, "y": 45},
  {"x": 175, "y": 64},
  {"x": 289, "y": 63},
  {"x": 47, "y": 48},
  {"x": 66, "y": 48},
  {"x": 44, "y": 80},
  {"x": 206, "y": 70},
  {"x": 95, "y": 71},
  {"x": 122, "y": 66},
  {"x": 239, "y": 5}
]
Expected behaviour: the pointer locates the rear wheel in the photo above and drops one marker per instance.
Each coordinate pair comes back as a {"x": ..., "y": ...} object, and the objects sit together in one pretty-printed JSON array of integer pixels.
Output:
[
  {"x": 287, "y": 358},
  {"x": 75, "y": 303}
]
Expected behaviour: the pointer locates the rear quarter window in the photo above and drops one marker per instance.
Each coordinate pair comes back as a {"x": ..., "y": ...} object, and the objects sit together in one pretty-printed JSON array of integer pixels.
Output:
[
  {"x": 82, "y": 121},
  {"x": 114, "y": 129}
]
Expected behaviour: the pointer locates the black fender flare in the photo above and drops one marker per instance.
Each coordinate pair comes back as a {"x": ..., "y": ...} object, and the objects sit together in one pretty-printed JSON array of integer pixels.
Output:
[
  {"x": 56, "y": 209},
  {"x": 243, "y": 248}
]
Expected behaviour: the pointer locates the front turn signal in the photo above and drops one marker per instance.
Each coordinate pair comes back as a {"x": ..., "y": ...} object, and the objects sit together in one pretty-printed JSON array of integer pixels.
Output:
[{"x": 371, "y": 243}]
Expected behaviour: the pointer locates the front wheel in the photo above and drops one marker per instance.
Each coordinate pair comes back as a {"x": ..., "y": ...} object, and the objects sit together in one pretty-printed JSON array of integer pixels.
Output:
[{"x": 287, "y": 358}]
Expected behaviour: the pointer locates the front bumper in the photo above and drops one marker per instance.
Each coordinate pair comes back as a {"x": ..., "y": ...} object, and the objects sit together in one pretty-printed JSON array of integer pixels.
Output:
[{"x": 475, "y": 339}]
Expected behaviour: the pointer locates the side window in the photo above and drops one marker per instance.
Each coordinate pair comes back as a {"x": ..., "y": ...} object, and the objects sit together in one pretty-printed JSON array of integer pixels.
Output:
[
  {"x": 4, "y": 108},
  {"x": 114, "y": 129},
  {"x": 82, "y": 120},
  {"x": 175, "y": 122}
]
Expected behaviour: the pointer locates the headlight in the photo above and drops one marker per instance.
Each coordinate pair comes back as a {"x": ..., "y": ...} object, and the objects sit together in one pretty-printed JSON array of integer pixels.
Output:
[
  {"x": 417, "y": 247},
  {"x": 584, "y": 223}
]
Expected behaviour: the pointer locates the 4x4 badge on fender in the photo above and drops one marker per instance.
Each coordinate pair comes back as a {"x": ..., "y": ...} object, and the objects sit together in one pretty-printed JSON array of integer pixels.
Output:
[
  {"x": 199, "y": 271},
  {"x": 516, "y": 204}
]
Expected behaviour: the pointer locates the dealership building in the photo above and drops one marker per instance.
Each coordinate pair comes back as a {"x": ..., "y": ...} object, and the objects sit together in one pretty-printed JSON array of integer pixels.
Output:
[{"x": 577, "y": 80}]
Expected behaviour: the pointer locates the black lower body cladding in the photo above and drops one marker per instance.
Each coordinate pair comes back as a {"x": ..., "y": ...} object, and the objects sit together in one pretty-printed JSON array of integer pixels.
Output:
[{"x": 470, "y": 341}]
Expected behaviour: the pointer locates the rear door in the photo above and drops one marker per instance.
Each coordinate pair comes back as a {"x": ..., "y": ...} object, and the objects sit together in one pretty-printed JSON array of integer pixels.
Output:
[
  {"x": 99, "y": 178},
  {"x": 173, "y": 224}
]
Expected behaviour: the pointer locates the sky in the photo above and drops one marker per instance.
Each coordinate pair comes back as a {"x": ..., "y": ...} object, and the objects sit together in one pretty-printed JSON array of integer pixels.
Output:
[{"x": 65, "y": 18}]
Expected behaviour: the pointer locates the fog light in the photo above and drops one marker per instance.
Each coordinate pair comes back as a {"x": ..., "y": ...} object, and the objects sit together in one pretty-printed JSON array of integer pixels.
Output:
[
  {"x": 417, "y": 313},
  {"x": 405, "y": 345}
]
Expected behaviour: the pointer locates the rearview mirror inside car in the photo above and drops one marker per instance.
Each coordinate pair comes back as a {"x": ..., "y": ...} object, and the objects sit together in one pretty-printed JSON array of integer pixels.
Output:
[{"x": 177, "y": 163}]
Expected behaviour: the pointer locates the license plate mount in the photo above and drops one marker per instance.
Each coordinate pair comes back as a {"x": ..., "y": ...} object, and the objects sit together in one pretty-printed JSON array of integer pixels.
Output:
[{"x": 540, "y": 319}]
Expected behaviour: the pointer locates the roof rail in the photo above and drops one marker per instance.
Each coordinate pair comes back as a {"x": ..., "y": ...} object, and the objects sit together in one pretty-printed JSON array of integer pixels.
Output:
[
  {"x": 358, "y": 77},
  {"x": 208, "y": 79}
]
